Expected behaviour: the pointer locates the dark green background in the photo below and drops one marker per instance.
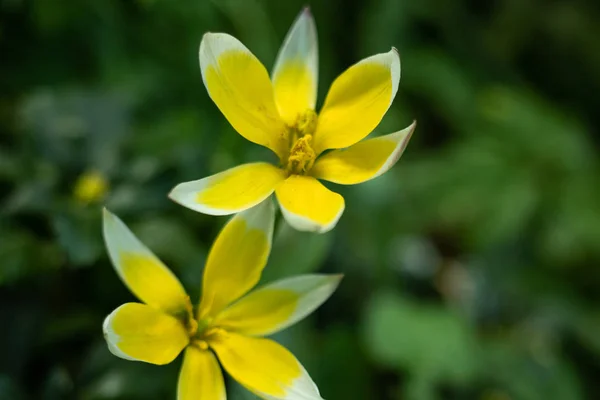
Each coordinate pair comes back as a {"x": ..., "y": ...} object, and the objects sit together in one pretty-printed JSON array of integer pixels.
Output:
[{"x": 472, "y": 268}]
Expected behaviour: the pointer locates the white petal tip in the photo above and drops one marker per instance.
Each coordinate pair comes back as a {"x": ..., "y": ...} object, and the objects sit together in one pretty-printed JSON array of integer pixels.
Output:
[
  {"x": 184, "y": 196},
  {"x": 402, "y": 137},
  {"x": 261, "y": 216},
  {"x": 211, "y": 35},
  {"x": 396, "y": 54},
  {"x": 110, "y": 223},
  {"x": 395, "y": 62},
  {"x": 105, "y": 324},
  {"x": 391, "y": 60},
  {"x": 112, "y": 339},
  {"x": 304, "y": 224},
  {"x": 410, "y": 129},
  {"x": 306, "y": 11}
]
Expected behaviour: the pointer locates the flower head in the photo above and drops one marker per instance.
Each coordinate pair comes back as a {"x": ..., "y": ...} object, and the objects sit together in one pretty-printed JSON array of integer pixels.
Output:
[
  {"x": 228, "y": 324},
  {"x": 90, "y": 187},
  {"x": 279, "y": 113}
]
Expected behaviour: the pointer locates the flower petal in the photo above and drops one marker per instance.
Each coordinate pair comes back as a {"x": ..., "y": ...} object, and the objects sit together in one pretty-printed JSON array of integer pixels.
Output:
[
  {"x": 240, "y": 86},
  {"x": 200, "y": 376},
  {"x": 139, "y": 332},
  {"x": 296, "y": 69},
  {"x": 237, "y": 258},
  {"x": 276, "y": 306},
  {"x": 264, "y": 367},
  {"x": 230, "y": 191},
  {"x": 307, "y": 205},
  {"x": 363, "y": 161},
  {"x": 357, "y": 101},
  {"x": 141, "y": 271}
]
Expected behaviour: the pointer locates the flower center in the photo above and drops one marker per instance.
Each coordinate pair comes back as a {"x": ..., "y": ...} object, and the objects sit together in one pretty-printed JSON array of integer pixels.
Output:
[
  {"x": 301, "y": 155},
  {"x": 201, "y": 338},
  {"x": 200, "y": 331},
  {"x": 186, "y": 316}
]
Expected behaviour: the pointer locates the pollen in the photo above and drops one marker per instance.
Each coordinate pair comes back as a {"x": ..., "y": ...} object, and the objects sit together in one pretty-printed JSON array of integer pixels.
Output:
[{"x": 301, "y": 155}]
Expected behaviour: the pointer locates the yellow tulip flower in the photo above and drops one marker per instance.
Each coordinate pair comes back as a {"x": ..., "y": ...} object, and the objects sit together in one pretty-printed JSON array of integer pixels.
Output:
[
  {"x": 228, "y": 325},
  {"x": 279, "y": 113}
]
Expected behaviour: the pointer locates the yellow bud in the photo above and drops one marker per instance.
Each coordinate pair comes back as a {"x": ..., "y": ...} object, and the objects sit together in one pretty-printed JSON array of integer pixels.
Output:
[{"x": 90, "y": 187}]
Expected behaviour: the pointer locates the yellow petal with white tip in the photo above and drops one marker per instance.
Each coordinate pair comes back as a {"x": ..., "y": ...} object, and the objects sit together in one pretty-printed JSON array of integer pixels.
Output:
[
  {"x": 278, "y": 305},
  {"x": 200, "y": 377},
  {"x": 357, "y": 101},
  {"x": 237, "y": 258},
  {"x": 230, "y": 191},
  {"x": 296, "y": 69},
  {"x": 364, "y": 161},
  {"x": 240, "y": 86},
  {"x": 139, "y": 332},
  {"x": 307, "y": 205},
  {"x": 264, "y": 367},
  {"x": 141, "y": 271}
]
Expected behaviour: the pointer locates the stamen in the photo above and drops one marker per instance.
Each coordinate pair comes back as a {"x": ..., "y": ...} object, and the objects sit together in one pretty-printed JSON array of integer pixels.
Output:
[
  {"x": 190, "y": 322},
  {"x": 192, "y": 327},
  {"x": 214, "y": 332},
  {"x": 302, "y": 156},
  {"x": 201, "y": 344}
]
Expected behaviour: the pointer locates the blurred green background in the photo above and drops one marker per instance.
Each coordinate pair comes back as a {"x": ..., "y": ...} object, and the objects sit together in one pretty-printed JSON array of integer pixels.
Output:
[{"x": 472, "y": 268}]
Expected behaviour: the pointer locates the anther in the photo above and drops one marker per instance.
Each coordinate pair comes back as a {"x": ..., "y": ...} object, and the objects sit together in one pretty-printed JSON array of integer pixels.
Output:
[
  {"x": 201, "y": 344},
  {"x": 302, "y": 156},
  {"x": 214, "y": 332},
  {"x": 192, "y": 327}
]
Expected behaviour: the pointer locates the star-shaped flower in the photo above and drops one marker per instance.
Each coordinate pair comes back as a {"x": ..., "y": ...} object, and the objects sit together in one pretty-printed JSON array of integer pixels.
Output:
[
  {"x": 279, "y": 113},
  {"x": 228, "y": 325}
]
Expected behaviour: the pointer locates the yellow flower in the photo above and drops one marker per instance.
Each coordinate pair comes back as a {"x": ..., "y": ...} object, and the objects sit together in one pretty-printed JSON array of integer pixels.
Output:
[
  {"x": 90, "y": 187},
  {"x": 228, "y": 324},
  {"x": 279, "y": 113}
]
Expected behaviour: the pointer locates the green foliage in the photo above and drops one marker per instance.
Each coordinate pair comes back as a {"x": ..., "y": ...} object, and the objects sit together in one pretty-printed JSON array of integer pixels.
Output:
[
  {"x": 429, "y": 340},
  {"x": 296, "y": 252}
]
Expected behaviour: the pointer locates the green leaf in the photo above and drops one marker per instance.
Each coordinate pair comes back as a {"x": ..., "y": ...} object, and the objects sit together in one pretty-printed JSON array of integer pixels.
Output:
[
  {"x": 430, "y": 341},
  {"x": 537, "y": 374}
]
